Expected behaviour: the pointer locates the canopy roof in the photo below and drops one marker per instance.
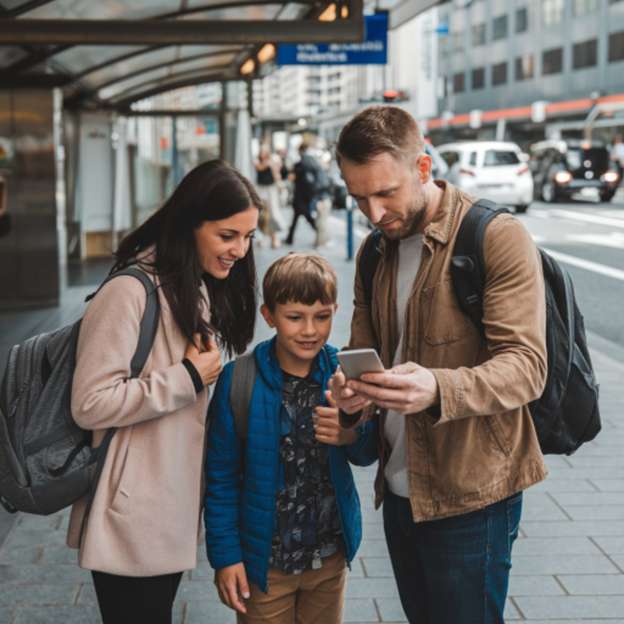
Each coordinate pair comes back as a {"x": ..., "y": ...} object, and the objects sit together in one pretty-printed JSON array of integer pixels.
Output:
[{"x": 112, "y": 53}]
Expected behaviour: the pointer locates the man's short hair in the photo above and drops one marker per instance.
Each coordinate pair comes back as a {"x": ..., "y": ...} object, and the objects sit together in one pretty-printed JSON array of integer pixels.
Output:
[
  {"x": 302, "y": 278},
  {"x": 377, "y": 130}
]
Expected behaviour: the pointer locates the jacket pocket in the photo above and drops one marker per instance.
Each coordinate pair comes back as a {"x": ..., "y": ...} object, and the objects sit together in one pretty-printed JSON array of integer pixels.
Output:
[
  {"x": 126, "y": 485},
  {"x": 498, "y": 434},
  {"x": 444, "y": 321}
]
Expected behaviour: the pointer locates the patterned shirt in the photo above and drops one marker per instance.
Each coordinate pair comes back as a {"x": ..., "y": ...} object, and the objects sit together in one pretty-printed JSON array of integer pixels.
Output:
[{"x": 307, "y": 526}]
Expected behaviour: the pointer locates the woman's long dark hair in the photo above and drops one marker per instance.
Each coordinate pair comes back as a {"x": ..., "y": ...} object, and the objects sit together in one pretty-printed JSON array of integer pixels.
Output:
[{"x": 212, "y": 191}]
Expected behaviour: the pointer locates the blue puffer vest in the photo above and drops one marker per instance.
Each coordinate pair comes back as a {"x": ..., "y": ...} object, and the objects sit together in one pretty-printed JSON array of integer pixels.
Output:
[{"x": 243, "y": 477}]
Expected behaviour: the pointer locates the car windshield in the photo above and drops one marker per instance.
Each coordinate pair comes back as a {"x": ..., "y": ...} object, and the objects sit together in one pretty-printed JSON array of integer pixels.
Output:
[
  {"x": 595, "y": 158},
  {"x": 498, "y": 158}
]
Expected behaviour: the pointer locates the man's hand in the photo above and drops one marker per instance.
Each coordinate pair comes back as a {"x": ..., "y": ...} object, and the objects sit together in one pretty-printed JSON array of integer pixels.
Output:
[
  {"x": 344, "y": 397},
  {"x": 328, "y": 429},
  {"x": 407, "y": 388},
  {"x": 231, "y": 584}
]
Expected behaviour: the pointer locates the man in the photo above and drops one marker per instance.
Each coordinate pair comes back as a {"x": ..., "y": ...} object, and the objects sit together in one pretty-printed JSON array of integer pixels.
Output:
[
  {"x": 459, "y": 445},
  {"x": 306, "y": 189}
]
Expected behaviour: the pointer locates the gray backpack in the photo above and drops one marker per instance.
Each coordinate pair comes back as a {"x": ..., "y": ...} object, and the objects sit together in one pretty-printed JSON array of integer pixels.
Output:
[
  {"x": 241, "y": 388},
  {"x": 45, "y": 457}
]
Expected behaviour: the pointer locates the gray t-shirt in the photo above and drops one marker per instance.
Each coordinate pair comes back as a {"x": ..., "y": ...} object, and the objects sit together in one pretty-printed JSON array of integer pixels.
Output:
[{"x": 410, "y": 253}]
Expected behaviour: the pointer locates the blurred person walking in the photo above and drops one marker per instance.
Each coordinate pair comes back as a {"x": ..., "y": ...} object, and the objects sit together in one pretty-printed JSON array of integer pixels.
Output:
[
  {"x": 305, "y": 178},
  {"x": 617, "y": 155},
  {"x": 144, "y": 525},
  {"x": 268, "y": 176},
  {"x": 458, "y": 445}
]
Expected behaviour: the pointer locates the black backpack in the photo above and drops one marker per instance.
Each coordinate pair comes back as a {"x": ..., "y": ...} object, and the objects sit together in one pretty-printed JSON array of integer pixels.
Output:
[
  {"x": 45, "y": 457},
  {"x": 567, "y": 413}
]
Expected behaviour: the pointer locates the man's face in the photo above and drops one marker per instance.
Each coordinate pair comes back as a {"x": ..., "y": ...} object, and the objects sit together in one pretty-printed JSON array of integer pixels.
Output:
[{"x": 390, "y": 192}]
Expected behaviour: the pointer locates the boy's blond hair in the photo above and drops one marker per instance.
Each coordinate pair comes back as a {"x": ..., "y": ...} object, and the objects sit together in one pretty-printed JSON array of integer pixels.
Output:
[{"x": 301, "y": 278}]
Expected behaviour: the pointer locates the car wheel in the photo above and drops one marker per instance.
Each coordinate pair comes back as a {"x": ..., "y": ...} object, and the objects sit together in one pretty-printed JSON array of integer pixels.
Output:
[
  {"x": 548, "y": 192},
  {"x": 607, "y": 197},
  {"x": 521, "y": 209}
]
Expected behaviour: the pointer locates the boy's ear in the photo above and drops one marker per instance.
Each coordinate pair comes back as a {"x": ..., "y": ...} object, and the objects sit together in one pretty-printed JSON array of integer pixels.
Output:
[{"x": 268, "y": 317}]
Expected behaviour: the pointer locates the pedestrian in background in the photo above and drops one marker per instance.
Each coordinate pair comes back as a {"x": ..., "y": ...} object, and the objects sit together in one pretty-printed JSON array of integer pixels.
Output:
[
  {"x": 144, "y": 525},
  {"x": 305, "y": 178},
  {"x": 458, "y": 442},
  {"x": 268, "y": 176},
  {"x": 617, "y": 155}
]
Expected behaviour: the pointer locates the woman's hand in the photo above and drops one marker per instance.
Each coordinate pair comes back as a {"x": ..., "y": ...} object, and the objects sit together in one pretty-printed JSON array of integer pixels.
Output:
[
  {"x": 206, "y": 359},
  {"x": 327, "y": 425},
  {"x": 231, "y": 584}
]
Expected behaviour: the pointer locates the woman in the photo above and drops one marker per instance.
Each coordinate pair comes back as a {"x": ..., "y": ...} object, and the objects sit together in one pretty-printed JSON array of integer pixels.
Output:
[{"x": 144, "y": 524}]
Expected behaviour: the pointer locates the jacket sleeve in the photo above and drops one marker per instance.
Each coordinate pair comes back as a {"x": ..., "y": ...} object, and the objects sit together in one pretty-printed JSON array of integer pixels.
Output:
[
  {"x": 363, "y": 452},
  {"x": 103, "y": 395},
  {"x": 223, "y": 469},
  {"x": 363, "y": 336},
  {"x": 514, "y": 306}
]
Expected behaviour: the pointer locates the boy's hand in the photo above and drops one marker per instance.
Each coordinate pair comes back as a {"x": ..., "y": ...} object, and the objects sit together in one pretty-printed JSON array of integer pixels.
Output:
[
  {"x": 231, "y": 583},
  {"x": 328, "y": 429},
  {"x": 345, "y": 398}
]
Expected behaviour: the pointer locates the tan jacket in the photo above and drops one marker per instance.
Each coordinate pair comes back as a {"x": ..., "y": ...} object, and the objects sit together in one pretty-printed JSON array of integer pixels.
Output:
[
  {"x": 483, "y": 446},
  {"x": 145, "y": 519}
]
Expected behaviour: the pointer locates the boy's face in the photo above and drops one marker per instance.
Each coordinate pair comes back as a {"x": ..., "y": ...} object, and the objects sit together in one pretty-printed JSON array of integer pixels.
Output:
[{"x": 302, "y": 331}]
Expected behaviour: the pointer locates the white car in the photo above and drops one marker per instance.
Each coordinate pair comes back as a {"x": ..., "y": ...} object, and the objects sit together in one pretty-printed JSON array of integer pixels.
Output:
[{"x": 495, "y": 170}]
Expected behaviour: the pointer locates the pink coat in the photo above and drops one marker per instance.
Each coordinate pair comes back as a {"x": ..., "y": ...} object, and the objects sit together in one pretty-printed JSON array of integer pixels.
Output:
[{"x": 145, "y": 518}]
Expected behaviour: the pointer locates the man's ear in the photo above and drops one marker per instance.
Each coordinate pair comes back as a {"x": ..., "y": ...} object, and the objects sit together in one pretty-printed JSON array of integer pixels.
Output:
[
  {"x": 268, "y": 316},
  {"x": 423, "y": 164}
]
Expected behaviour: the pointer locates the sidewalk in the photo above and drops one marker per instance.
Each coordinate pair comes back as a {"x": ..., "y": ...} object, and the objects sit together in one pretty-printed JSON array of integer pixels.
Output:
[{"x": 568, "y": 562}]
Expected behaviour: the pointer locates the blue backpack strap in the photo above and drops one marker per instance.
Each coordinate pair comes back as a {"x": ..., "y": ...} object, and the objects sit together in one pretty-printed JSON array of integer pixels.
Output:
[
  {"x": 467, "y": 262},
  {"x": 241, "y": 389},
  {"x": 369, "y": 261}
]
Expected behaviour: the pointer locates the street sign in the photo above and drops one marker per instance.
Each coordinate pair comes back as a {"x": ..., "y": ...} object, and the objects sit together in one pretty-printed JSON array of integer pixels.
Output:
[{"x": 372, "y": 51}]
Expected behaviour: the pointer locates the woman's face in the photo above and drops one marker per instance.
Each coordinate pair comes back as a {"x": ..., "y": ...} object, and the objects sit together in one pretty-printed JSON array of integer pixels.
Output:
[{"x": 221, "y": 243}]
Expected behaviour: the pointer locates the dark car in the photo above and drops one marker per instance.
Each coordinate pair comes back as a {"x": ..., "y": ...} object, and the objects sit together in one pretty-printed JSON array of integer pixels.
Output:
[{"x": 566, "y": 169}]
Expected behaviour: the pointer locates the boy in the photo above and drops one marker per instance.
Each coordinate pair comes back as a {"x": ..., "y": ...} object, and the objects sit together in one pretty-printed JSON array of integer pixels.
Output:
[{"x": 281, "y": 509}]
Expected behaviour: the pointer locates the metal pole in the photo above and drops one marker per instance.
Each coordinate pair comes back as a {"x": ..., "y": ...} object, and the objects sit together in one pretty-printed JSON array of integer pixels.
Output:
[
  {"x": 174, "y": 151},
  {"x": 349, "y": 227}
]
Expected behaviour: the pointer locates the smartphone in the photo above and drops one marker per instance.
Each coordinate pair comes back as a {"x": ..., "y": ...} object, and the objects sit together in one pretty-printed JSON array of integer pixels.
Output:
[{"x": 356, "y": 363}]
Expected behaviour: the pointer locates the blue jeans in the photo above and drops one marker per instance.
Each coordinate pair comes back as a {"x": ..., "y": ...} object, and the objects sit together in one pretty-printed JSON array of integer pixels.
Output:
[{"x": 454, "y": 570}]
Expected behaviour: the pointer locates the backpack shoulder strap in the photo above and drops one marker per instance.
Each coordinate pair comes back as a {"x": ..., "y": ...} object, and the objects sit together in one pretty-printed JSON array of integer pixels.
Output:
[
  {"x": 467, "y": 262},
  {"x": 241, "y": 389},
  {"x": 369, "y": 261}
]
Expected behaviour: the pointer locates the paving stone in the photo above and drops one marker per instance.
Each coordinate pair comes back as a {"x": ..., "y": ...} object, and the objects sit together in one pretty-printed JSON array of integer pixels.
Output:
[
  {"x": 601, "y": 512},
  {"x": 22, "y": 538},
  {"x": 589, "y": 498},
  {"x": 60, "y": 555},
  {"x": 572, "y": 607},
  {"x": 608, "y": 485},
  {"x": 611, "y": 545},
  {"x": 542, "y": 512},
  {"x": 203, "y": 572},
  {"x": 593, "y": 584},
  {"x": 18, "y": 555},
  {"x": 390, "y": 609},
  {"x": 591, "y": 462},
  {"x": 64, "y": 524},
  {"x": 42, "y": 594},
  {"x": 565, "y": 485},
  {"x": 191, "y": 591},
  {"x": 208, "y": 613},
  {"x": 618, "y": 560},
  {"x": 376, "y": 587},
  {"x": 575, "y": 621},
  {"x": 378, "y": 567},
  {"x": 43, "y": 523},
  {"x": 534, "y": 586},
  {"x": 370, "y": 516},
  {"x": 574, "y": 529},
  {"x": 511, "y": 613},
  {"x": 356, "y": 571},
  {"x": 87, "y": 594},
  {"x": 564, "y": 564},
  {"x": 76, "y": 614},
  {"x": 373, "y": 548},
  {"x": 585, "y": 473},
  {"x": 43, "y": 574},
  {"x": 360, "y": 610},
  {"x": 556, "y": 546},
  {"x": 6, "y": 614}
]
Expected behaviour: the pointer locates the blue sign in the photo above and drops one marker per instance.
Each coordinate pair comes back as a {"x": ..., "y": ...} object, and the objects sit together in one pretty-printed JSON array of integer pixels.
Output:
[{"x": 372, "y": 51}]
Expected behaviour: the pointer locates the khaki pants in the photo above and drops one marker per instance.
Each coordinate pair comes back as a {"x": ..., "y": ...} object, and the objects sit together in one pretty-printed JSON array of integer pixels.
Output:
[{"x": 315, "y": 596}]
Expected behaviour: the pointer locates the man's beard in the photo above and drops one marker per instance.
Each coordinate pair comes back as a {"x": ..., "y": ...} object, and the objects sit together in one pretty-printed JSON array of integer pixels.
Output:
[{"x": 411, "y": 223}]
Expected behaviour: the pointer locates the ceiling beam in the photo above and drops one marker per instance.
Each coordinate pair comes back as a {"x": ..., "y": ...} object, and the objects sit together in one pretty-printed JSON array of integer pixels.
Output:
[{"x": 151, "y": 32}]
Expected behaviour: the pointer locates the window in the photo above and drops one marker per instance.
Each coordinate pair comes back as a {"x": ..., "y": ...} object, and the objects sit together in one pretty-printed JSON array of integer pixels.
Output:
[
  {"x": 478, "y": 78},
  {"x": 478, "y": 34},
  {"x": 522, "y": 19},
  {"x": 585, "y": 54},
  {"x": 524, "y": 67},
  {"x": 498, "y": 158},
  {"x": 459, "y": 83},
  {"x": 616, "y": 47},
  {"x": 334, "y": 91},
  {"x": 500, "y": 28},
  {"x": 581, "y": 7},
  {"x": 450, "y": 157},
  {"x": 445, "y": 45},
  {"x": 552, "y": 12},
  {"x": 458, "y": 41},
  {"x": 499, "y": 74},
  {"x": 473, "y": 159},
  {"x": 552, "y": 61}
]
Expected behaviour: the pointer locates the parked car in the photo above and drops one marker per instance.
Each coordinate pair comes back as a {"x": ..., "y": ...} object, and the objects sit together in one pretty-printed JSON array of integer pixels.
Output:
[
  {"x": 439, "y": 168},
  {"x": 495, "y": 170},
  {"x": 566, "y": 169}
]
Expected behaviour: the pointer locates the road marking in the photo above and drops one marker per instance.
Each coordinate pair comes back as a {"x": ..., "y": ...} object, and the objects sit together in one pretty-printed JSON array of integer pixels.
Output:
[
  {"x": 589, "y": 218},
  {"x": 588, "y": 265},
  {"x": 614, "y": 239}
]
